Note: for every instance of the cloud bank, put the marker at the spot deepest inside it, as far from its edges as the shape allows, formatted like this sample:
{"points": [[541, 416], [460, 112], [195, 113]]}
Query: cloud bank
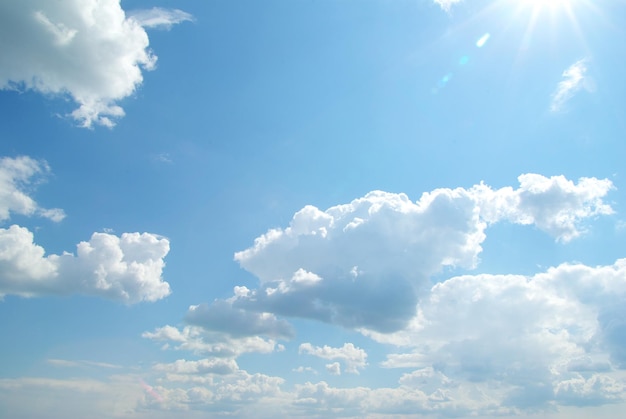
{"points": [[85, 49]]}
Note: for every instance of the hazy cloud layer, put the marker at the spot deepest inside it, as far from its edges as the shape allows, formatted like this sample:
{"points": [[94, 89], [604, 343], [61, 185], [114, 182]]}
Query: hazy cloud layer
{"points": [[17, 177], [126, 268], [86, 49]]}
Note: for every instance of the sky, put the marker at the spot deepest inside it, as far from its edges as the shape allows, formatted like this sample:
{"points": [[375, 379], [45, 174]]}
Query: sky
{"points": [[312, 208]]}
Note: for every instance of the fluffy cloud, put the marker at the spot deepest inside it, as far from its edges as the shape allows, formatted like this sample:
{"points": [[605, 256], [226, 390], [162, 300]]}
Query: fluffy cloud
{"points": [[352, 357], [365, 264], [17, 175], [574, 79], [553, 337], [555, 205], [201, 341], [126, 268], [87, 49]]}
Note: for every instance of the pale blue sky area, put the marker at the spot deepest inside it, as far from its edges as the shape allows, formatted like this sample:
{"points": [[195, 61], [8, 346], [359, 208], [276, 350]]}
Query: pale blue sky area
{"points": [[330, 208]]}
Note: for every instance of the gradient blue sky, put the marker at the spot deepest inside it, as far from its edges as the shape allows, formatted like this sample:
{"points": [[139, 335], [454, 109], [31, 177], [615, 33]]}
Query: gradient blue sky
{"points": [[334, 208]]}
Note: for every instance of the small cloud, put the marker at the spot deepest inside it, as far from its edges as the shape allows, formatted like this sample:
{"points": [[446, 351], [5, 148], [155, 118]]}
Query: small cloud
{"points": [[446, 4], [162, 158], [334, 368], [354, 358], [159, 18], [64, 363], [305, 369], [574, 79]]}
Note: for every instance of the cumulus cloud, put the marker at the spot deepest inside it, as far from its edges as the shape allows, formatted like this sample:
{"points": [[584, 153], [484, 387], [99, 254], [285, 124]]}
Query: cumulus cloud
{"points": [[160, 18], [352, 357], [126, 268], [574, 79], [17, 178], [365, 264], [555, 205], [545, 338], [85, 49]]}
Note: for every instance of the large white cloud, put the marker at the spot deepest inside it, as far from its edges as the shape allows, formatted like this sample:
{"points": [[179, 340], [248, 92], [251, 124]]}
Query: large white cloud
{"points": [[365, 264], [17, 177], [87, 49], [555, 337], [126, 268]]}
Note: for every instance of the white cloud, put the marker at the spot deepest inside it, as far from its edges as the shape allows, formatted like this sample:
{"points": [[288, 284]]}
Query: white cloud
{"points": [[86, 49], [202, 368], [305, 369], [446, 4], [352, 357], [17, 178], [160, 18], [555, 205], [574, 79], [126, 268], [541, 338], [365, 264], [333, 368], [202, 341]]}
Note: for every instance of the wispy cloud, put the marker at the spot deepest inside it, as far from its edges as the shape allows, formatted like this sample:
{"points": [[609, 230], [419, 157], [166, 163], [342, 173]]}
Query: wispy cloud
{"points": [[574, 78], [159, 18], [446, 4]]}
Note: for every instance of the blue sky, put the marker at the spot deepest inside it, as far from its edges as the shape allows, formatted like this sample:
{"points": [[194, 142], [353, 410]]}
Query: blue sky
{"points": [[331, 208]]}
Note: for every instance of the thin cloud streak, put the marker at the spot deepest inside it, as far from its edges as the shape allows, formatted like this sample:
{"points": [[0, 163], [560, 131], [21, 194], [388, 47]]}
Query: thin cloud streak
{"points": [[573, 80]]}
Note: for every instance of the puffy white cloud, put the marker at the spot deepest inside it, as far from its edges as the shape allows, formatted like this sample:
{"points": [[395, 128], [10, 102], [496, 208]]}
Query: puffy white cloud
{"points": [[542, 338], [86, 49], [555, 205], [160, 18], [352, 357], [365, 264], [201, 341], [220, 316], [17, 177], [126, 268], [574, 79]]}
